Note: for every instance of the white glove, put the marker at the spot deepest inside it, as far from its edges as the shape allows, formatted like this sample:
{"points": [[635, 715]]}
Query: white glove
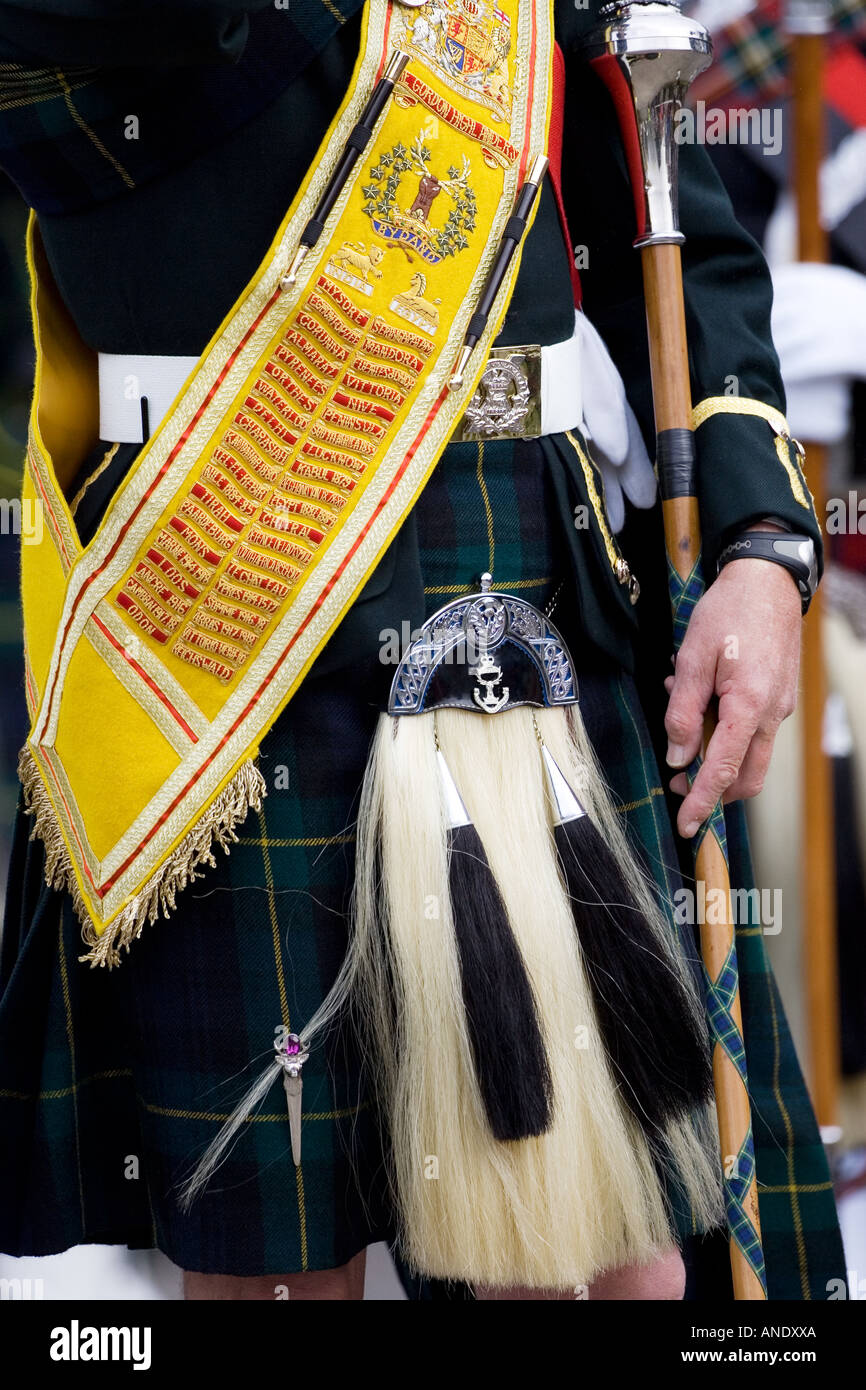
{"points": [[819, 328], [611, 424]]}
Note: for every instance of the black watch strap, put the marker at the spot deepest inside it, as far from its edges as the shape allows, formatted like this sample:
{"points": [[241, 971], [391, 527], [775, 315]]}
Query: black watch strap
{"points": [[796, 553]]}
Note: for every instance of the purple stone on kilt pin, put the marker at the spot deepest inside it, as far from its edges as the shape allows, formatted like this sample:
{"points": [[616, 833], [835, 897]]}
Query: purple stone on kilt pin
{"points": [[291, 1053]]}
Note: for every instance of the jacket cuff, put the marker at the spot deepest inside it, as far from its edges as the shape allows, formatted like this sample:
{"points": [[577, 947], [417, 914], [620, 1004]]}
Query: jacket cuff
{"points": [[748, 467]]}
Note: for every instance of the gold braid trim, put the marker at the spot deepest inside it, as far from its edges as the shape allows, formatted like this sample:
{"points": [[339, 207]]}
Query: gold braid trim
{"points": [[97, 473], [798, 483], [595, 500], [740, 405], [744, 405], [617, 560], [217, 827]]}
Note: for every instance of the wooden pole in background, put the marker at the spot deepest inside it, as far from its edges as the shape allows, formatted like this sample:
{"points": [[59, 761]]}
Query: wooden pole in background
{"points": [[819, 860]]}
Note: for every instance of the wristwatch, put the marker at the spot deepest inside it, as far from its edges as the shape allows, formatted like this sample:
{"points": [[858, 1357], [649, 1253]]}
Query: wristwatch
{"points": [[794, 551]]}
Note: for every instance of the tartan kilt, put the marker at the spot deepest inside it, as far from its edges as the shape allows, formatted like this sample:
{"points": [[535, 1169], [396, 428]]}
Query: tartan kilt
{"points": [[113, 1082]]}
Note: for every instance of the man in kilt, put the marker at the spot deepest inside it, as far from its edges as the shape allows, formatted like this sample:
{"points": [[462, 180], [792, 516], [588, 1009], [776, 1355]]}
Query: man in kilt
{"points": [[150, 239]]}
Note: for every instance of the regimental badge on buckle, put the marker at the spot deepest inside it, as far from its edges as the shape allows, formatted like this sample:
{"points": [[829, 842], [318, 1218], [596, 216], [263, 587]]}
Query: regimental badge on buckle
{"points": [[507, 403]]}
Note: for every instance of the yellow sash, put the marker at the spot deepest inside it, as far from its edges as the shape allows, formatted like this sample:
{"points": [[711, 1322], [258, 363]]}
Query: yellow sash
{"points": [[159, 655]]}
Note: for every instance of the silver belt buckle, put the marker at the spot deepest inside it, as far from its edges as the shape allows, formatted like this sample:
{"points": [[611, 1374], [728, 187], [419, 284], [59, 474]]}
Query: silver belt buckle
{"points": [[507, 402]]}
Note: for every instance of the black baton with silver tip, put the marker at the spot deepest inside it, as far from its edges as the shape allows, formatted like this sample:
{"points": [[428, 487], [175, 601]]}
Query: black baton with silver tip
{"points": [[358, 140], [515, 230]]}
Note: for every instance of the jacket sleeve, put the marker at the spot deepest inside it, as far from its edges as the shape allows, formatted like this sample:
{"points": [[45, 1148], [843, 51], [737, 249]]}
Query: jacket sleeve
{"points": [[747, 467]]}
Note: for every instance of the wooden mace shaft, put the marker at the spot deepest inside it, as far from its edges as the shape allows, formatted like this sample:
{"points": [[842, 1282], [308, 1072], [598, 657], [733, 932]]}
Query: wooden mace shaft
{"points": [[819, 877], [669, 364]]}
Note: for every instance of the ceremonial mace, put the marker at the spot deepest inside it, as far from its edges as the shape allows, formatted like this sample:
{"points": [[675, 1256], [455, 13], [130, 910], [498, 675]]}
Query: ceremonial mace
{"points": [[647, 53], [808, 22]]}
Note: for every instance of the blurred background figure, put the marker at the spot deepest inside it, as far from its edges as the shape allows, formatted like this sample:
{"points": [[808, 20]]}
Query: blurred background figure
{"points": [[819, 327]]}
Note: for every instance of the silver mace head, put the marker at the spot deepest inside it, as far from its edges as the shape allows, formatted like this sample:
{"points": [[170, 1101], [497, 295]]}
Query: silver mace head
{"points": [[648, 53]]}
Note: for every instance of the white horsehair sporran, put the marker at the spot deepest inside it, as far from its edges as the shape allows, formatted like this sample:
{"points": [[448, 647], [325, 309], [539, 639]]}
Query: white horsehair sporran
{"points": [[531, 1031]]}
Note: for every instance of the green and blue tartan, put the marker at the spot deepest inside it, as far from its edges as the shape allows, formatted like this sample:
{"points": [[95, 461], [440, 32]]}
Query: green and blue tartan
{"points": [[98, 1070], [68, 89], [147, 1061]]}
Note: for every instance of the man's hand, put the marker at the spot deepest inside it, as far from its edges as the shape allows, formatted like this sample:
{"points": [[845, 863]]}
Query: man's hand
{"points": [[743, 645]]}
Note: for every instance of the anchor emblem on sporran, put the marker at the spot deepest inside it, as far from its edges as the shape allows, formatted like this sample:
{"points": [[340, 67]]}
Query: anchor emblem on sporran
{"points": [[487, 676]]}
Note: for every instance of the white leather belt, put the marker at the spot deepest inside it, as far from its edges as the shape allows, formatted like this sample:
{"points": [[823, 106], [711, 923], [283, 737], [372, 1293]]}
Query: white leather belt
{"points": [[525, 391]]}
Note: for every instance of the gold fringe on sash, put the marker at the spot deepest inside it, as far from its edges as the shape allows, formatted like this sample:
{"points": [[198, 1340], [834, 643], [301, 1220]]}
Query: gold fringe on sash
{"points": [[244, 793], [283, 470]]}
